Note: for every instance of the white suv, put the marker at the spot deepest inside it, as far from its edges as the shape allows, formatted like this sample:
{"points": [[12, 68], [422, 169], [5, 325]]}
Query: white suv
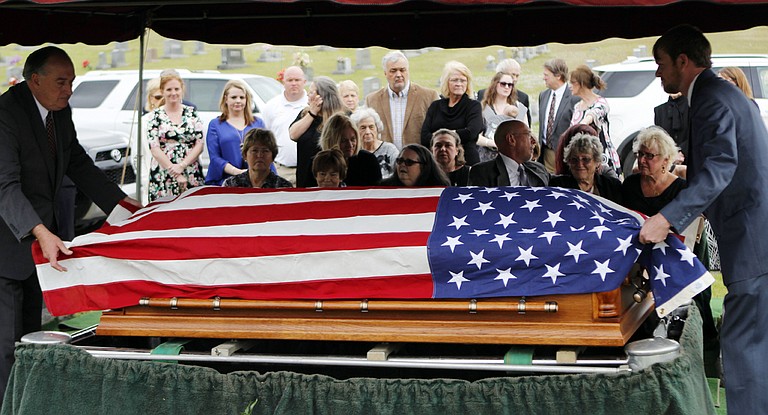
{"points": [[633, 91], [106, 101]]}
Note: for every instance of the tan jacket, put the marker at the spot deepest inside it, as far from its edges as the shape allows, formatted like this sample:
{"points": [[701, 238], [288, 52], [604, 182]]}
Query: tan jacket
{"points": [[419, 99]]}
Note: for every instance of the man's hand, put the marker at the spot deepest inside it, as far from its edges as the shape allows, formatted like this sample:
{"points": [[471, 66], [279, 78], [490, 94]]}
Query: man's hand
{"points": [[51, 245], [132, 201], [655, 229]]}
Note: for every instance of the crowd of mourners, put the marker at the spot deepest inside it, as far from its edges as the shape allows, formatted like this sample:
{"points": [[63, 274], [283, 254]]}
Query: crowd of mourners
{"points": [[408, 135]]}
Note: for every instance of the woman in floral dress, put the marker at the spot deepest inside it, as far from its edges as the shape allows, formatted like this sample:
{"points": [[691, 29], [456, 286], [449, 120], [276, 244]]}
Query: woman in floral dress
{"points": [[176, 142]]}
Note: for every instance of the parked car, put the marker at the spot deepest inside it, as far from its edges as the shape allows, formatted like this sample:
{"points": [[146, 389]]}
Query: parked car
{"points": [[634, 90], [106, 101]]}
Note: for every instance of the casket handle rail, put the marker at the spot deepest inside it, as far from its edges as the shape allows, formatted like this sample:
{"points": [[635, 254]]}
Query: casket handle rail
{"points": [[522, 306]]}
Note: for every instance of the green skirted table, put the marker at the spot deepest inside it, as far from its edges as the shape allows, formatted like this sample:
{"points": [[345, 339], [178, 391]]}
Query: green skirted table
{"points": [[66, 380]]}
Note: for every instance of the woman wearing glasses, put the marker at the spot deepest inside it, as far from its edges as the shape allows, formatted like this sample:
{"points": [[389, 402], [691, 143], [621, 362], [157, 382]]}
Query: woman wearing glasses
{"points": [[226, 133], [583, 155], [456, 111], [499, 104], [653, 186], [415, 166]]}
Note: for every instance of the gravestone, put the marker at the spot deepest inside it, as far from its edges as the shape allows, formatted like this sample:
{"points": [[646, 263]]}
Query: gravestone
{"points": [[232, 58], [122, 46], [270, 56], [490, 63], [102, 61], [199, 48], [371, 84], [501, 55], [643, 51], [326, 48], [118, 58], [151, 55], [363, 59], [343, 66], [412, 53], [173, 49]]}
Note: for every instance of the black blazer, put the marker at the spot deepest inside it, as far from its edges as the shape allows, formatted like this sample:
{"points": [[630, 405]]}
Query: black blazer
{"points": [[609, 187], [493, 173], [30, 180]]}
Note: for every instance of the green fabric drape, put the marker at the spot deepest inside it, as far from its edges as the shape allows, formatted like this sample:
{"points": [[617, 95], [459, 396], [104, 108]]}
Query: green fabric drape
{"points": [[66, 380]]}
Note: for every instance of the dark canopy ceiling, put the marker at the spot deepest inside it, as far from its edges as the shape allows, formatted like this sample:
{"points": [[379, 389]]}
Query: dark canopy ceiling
{"points": [[360, 23]]}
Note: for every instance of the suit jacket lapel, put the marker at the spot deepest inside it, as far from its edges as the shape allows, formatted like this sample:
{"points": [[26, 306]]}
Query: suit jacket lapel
{"points": [[503, 177], [564, 102]]}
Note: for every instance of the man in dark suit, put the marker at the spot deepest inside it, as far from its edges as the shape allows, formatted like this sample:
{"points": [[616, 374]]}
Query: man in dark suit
{"points": [[555, 110], [512, 68], [38, 146], [513, 165], [727, 180]]}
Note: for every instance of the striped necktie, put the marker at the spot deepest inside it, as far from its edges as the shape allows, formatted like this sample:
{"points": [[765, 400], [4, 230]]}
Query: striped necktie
{"points": [[522, 179]]}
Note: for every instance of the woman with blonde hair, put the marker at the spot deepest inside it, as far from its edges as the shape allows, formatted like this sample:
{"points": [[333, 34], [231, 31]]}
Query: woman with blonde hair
{"points": [[457, 111], [175, 137], [736, 76], [350, 94], [226, 133], [593, 110], [324, 101]]}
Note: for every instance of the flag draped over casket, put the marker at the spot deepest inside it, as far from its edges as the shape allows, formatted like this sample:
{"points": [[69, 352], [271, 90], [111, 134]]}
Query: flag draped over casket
{"points": [[456, 242]]}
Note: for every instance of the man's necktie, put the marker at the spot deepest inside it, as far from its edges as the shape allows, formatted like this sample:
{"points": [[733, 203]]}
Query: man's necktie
{"points": [[521, 177], [550, 119], [51, 130]]}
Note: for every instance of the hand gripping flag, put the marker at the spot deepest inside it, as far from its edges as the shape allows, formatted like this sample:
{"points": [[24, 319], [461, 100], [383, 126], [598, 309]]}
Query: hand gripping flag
{"points": [[365, 243]]}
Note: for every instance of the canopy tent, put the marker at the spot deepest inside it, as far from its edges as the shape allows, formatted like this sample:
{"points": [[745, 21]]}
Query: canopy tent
{"points": [[397, 24]]}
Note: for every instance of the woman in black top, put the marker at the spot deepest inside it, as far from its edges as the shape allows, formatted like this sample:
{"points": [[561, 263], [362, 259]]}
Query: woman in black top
{"points": [[457, 111], [362, 166]]}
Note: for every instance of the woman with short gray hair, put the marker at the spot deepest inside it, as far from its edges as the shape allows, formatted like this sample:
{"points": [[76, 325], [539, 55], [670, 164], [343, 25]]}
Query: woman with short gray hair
{"points": [[583, 155], [369, 125]]}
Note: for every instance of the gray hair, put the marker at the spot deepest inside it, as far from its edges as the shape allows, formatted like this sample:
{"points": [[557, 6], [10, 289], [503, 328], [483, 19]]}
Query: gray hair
{"points": [[392, 57], [506, 64], [366, 112], [584, 144], [654, 134]]}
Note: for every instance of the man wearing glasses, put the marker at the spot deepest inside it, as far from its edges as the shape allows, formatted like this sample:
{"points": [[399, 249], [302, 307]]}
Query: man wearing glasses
{"points": [[513, 165]]}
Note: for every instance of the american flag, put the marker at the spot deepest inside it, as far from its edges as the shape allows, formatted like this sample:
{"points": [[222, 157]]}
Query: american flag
{"points": [[360, 243]]}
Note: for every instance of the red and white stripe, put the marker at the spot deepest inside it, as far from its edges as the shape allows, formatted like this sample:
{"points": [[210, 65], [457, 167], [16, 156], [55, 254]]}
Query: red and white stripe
{"points": [[241, 243]]}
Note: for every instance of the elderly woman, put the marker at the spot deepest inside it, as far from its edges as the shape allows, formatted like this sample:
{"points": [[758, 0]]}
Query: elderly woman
{"points": [[446, 147], [226, 133], [362, 166], [583, 155], [154, 95], [330, 168], [417, 167], [457, 111], [499, 104], [369, 126], [653, 186], [324, 101], [350, 94], [175, 137], [259, 151], [593, 110]]}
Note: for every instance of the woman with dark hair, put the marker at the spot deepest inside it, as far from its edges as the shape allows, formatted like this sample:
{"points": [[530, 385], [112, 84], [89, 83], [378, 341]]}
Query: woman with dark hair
{"points": [[416, 167], [324, 101], [593, 110], [330, 168], [449, 155], [259, 151], [499, 104], [583, 154], [362, 167], [226, 133]]}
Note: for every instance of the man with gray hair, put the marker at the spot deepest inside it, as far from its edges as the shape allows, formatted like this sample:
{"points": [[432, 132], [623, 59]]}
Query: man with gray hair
{"points": [[512, 68], [402, 105]]}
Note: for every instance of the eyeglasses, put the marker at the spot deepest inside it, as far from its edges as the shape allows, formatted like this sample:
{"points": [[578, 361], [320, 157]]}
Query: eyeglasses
{"points": [[457, 81], [528, 133], [157, 96], [582, 160], [647, 156], [407, 162], [507, 84]]}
